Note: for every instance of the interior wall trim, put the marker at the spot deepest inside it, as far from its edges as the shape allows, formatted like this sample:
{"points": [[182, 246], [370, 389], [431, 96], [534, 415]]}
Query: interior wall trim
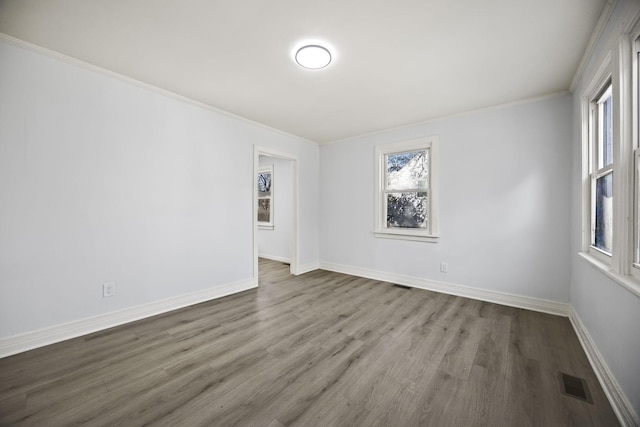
{"points": [[112, 74], [446, 117], [518, 301], [54, 334], [619, 401], [306, 268], [597, 33], [275, 258]]}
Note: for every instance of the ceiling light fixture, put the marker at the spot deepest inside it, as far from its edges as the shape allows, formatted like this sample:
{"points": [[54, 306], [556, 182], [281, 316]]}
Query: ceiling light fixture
{"points": [[313, 57]]}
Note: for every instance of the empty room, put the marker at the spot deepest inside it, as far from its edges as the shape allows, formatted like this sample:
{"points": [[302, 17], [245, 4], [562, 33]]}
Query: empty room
{"points": [[293, 213]]}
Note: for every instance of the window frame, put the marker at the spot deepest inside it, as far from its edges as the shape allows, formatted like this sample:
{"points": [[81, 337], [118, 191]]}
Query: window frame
{"points": [[633, 259], [635, 255], [620, 66], [596, 171], [430, 234], [266, 225]]}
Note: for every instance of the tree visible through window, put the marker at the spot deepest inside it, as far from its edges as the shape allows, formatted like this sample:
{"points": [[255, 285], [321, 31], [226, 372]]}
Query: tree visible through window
{"points": [[406, 190], [265, 198]]}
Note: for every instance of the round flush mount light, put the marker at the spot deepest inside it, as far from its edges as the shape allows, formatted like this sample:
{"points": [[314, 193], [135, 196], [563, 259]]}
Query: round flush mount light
{"points": [[313, 57]]}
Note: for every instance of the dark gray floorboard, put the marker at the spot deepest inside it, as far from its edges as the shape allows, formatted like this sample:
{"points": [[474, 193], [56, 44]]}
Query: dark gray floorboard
{"points": [[321, 349]]}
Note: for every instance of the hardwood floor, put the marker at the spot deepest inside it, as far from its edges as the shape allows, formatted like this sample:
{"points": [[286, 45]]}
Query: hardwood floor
{"points": [[321, 349]]}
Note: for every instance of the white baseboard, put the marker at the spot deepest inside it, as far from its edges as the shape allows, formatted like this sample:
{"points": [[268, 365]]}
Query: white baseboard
{"points": [[275, 258], [619, 402], [529, 303], [305, 268], [51, 335]]}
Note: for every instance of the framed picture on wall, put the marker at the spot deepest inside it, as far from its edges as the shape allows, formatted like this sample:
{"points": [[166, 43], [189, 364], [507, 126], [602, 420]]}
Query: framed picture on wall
{"points": [[265, 197]]}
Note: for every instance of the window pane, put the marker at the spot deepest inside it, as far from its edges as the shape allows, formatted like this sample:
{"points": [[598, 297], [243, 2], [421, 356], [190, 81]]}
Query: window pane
{"points": [[603, 232], [606, 129], [264, 210], [406, 171], [637, 254], [407, 210], [636, 258], [264, 184]]}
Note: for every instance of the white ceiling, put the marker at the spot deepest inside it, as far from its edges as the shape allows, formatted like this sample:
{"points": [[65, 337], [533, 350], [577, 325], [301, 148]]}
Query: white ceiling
{"points": [[395, 62]]}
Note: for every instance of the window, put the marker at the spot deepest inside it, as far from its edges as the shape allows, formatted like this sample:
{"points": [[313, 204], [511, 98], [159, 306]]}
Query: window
{"points": [[407, 190], [635, 146], [611, 164], [602, 171], [636, 257], [265, 198], [631, 158]]}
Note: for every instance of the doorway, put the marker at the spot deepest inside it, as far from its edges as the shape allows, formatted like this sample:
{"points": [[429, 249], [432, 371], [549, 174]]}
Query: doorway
{"points": [[275, 230]]}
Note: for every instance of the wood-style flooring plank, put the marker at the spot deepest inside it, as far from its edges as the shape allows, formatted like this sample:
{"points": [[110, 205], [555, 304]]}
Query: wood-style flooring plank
{"points": [[320, 349]]}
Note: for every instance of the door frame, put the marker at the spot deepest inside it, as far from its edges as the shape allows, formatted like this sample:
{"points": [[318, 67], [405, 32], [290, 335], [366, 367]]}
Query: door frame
{"points": [[265, 151]]}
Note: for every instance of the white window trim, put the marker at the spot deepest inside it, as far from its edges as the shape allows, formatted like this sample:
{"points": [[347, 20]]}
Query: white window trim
{"points": [[620, 65], [630, 150], [589, 167], [595, 154], [268, 225], [634, 227], [430, 235], [635, 266], [628, 282]]}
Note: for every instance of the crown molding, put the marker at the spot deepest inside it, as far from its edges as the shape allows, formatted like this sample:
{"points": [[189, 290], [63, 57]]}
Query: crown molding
{"points": [[607, 11], [500, 106], [164, 92]]}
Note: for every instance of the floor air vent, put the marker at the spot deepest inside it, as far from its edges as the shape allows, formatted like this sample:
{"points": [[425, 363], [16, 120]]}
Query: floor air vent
{"points": [[575, 387]]}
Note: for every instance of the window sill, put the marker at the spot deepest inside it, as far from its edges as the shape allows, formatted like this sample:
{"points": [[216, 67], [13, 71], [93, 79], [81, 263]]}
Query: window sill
{"points": [[630, 283], [404, 236]]}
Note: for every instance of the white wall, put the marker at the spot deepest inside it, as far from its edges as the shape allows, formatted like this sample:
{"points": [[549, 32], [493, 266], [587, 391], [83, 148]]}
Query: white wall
{"points": [[504, 217], [276, 243], [105, 180], [610, 313]]}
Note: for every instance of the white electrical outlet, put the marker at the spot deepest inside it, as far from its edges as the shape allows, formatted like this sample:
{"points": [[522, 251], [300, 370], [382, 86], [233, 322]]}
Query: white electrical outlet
{"points": [[108, 289], [444, 267]]}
